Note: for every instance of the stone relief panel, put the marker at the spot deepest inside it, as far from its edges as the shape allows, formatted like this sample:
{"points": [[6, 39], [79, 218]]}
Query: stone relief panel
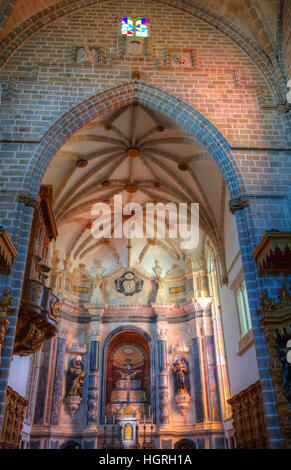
{"points": [[128, 287]]}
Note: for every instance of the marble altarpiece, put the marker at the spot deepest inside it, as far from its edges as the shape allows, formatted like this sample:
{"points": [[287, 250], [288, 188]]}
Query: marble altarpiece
{"points": [[134, 362]]}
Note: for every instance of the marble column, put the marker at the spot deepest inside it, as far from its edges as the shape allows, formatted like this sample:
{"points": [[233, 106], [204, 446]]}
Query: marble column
{"points": [[163, 377], [204, 283], [92, 408], [198, 398], [211, 370], [59, 372], [222, 372]]}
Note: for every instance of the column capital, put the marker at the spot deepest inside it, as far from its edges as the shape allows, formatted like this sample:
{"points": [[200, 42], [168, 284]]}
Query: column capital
{"points": [[162, 334], [95, 335], [63, 332]]}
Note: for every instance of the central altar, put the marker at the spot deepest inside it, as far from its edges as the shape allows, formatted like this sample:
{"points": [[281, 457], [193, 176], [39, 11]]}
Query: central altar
{"points": [[128, 392]]}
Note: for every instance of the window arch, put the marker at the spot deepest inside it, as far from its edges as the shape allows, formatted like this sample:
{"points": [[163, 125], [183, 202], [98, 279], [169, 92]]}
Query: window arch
{"points": [[243, 309], [141, 27], [127, 26], [138, 27]]}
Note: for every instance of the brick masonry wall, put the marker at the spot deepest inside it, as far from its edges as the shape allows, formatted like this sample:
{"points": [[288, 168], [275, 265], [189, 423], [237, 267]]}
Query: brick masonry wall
{"points": [[287, 37], [23, 9], [40, 85], [209, 88]]}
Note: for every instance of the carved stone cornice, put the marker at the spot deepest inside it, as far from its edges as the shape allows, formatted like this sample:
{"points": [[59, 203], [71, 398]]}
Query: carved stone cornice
{"points": [[239, 203], [273, 252], [7, 252]]}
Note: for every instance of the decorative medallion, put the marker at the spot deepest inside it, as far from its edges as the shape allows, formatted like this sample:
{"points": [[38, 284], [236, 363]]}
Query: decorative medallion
{"points": [[180, 59], [131, 188], [182, 166], [133, 152], [128, 284], [82, 163]]}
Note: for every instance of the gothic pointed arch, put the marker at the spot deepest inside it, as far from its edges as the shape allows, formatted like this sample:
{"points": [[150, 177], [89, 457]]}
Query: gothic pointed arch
{"points": [[180, 112]]}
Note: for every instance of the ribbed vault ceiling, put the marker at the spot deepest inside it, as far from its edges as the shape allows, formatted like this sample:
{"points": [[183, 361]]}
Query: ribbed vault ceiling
{"points": [[143, 156]]}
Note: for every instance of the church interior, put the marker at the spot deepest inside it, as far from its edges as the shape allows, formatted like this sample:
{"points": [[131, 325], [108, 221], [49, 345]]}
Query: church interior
{"points": [[118, 342]]}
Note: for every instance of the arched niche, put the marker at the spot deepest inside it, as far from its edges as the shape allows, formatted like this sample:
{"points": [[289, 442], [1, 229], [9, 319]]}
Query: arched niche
{"points": [[114, 358]]}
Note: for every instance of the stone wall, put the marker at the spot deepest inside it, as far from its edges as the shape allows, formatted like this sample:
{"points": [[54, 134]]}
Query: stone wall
{"points": [[287, 37]]}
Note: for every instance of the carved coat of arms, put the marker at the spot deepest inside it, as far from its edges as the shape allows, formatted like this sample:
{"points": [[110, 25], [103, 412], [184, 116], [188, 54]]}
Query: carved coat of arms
{"points": [[129, 284]]}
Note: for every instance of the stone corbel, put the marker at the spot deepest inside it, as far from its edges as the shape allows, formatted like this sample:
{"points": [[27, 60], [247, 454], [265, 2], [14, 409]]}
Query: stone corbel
{"points": [[283, 108], [239, 203], [28, 200], [5, 311]]}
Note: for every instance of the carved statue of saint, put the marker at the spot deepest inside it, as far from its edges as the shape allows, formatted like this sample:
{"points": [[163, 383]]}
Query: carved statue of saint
{"points": [[77, 375], [161, 294], [158, 269], [180, 371], [97, 297]]}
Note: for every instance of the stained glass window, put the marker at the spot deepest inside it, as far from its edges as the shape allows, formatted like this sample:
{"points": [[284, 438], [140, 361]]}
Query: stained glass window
{"points": [[127, 26], [141, 27], [138, 27]]}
